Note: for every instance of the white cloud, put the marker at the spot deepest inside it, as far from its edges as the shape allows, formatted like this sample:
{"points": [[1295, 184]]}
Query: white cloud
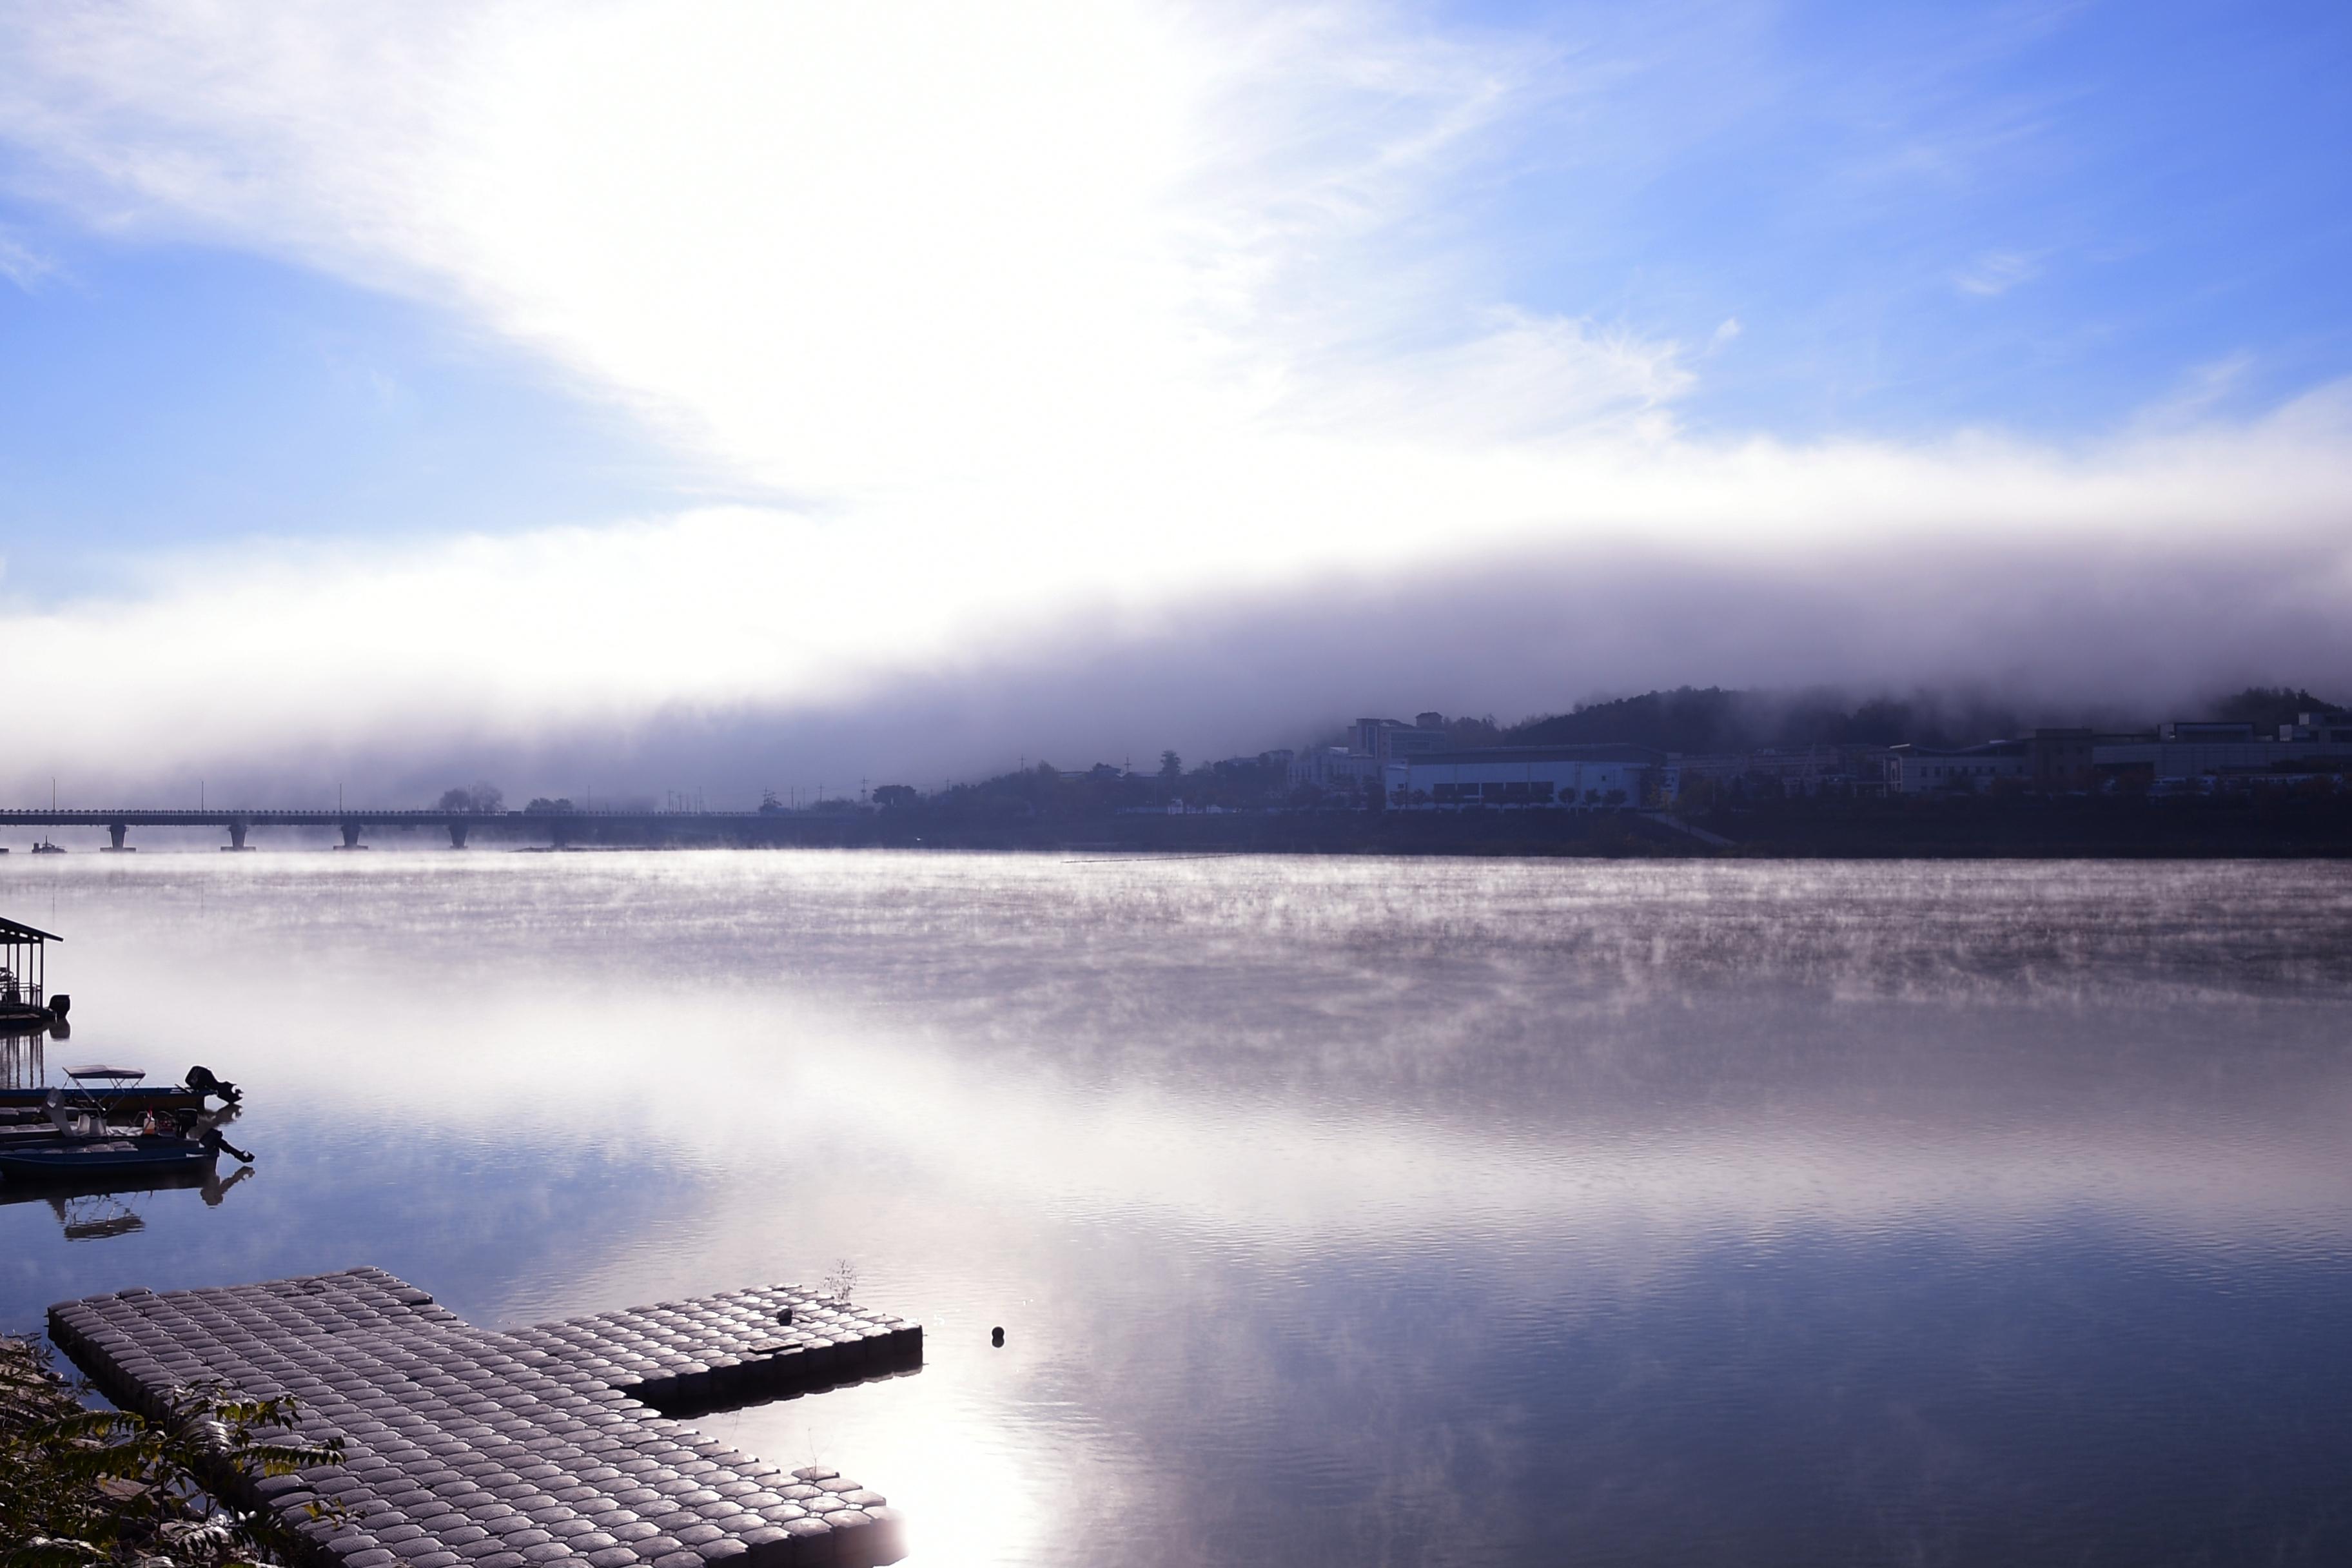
{"points": [[1995, 272], [2197, 395], [1524, 380], [1050, 315], [2095, 575], [21, 264]]}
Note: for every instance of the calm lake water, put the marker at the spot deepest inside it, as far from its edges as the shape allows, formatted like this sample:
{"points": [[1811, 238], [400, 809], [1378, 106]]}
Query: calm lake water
{"points": [[1336, 1212]]}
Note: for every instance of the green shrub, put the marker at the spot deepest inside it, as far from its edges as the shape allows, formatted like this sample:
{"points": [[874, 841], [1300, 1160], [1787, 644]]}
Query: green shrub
{"points": [[81, 1487]]}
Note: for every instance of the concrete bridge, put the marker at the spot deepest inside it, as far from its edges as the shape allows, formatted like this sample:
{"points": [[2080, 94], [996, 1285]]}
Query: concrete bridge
{"points": [[558, 827]]}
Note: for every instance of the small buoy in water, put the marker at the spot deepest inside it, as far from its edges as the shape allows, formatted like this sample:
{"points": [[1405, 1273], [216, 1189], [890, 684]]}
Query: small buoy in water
{"points": [[996, 1338], [785, 1316]]}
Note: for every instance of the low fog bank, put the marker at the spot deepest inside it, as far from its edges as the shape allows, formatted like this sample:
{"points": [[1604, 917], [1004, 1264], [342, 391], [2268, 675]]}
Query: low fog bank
{"points": [[1974, 639]]}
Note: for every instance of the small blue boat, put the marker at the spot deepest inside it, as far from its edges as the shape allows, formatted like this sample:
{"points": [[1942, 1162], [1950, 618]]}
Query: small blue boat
{"points": [[74, 1158]]}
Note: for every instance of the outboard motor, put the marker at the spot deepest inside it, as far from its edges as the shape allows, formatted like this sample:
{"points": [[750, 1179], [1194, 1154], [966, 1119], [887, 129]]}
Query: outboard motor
{"points": [[202, 1082], [59, 1005], [213, 1141]]}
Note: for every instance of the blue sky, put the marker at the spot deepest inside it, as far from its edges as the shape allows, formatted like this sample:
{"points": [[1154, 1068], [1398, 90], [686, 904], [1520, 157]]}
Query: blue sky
{"points": [[152, 399], [771, 359], [2043, 217]]}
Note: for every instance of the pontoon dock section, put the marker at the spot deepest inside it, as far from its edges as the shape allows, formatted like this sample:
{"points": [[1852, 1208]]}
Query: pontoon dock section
{"points": [[504, 1450]]}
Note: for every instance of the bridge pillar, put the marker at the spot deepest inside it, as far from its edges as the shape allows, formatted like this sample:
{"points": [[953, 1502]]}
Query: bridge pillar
{"points": [[235, 837], [456, 835], [352, 836], [115, 830]]}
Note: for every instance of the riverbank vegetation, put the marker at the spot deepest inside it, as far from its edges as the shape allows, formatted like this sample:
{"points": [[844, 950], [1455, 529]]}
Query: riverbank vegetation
{"points": [[80, 1487]]}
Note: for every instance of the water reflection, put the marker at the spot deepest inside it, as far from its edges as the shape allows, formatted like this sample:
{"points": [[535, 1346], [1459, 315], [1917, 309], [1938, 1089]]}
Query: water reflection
{"points": [[23, 1058], [1339, 1211], [98, 1211]]}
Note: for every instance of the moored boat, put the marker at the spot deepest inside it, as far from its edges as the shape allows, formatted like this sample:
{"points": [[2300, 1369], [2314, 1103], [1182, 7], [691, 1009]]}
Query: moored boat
{"points": [[80, 1137], [94, 1204], [121, 1094], [78, 1158]]}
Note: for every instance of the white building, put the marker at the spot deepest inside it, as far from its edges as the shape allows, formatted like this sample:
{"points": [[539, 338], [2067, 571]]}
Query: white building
{"points": [[1332, 768], [1926, 770], [1393, 740], [2196, 754], [1590, 778], [2330, 727], [1379, 745]]}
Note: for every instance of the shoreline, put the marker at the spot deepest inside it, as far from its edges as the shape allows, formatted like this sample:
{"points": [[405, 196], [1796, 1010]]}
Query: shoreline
{"points": [[1967, 828], [2026, 828]]}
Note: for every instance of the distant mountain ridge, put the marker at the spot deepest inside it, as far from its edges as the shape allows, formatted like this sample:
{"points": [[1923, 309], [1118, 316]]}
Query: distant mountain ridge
{"points": [[1713, 719]]}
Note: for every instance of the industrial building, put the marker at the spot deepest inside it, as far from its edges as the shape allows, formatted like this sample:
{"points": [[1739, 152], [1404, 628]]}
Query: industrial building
{"points": [[1586, 777], [1798, 771], [1931, 770], [2317, 742], [1393, 740]]}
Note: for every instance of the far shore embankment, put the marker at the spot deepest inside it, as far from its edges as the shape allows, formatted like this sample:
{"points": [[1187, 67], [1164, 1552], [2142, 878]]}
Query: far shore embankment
{"points": [[2271, 824], [2025, 827]]}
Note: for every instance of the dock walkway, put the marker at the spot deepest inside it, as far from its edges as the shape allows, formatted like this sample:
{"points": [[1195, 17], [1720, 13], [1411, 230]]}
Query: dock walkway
{"points": [[465, 1448]]}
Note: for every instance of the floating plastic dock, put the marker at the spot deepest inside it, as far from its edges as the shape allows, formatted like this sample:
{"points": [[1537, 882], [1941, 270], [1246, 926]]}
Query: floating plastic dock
{"points": [[465, 1448]]}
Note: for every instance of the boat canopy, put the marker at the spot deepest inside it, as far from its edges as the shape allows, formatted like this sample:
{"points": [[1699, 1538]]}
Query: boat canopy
{"points": [[24, 933], [96, 1070]]}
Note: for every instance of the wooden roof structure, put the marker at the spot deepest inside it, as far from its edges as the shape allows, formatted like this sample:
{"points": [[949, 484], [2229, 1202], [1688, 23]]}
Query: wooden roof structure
{"points": [[24, 970]]}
